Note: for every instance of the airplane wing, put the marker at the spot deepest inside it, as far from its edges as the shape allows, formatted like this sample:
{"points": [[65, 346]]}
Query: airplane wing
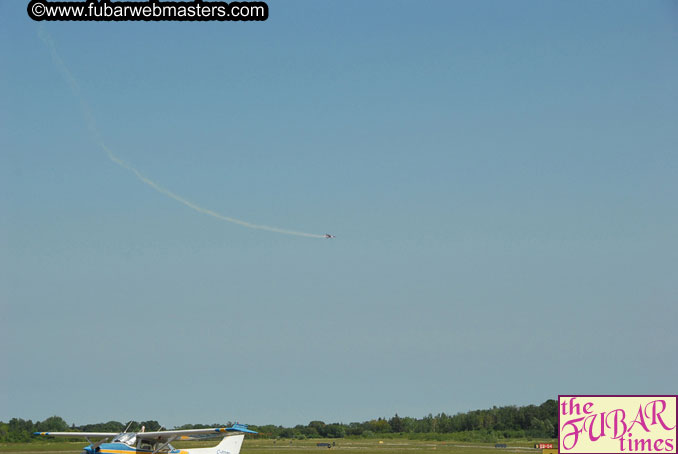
{"points": [[162, 435], [78, 434], [187, 434]]}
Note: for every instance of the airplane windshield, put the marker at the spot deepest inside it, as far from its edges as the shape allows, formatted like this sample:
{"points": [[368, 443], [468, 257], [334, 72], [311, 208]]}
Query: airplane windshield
{"points": [[127, 438]]}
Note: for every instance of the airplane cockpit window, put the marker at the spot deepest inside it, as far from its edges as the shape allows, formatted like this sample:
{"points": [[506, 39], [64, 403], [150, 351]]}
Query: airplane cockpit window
{"points": [[165, 448], [127, 438], [146, 445]]}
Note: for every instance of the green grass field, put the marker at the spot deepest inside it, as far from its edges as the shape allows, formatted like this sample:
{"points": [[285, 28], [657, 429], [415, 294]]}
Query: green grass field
{"points": [[284, 446]]}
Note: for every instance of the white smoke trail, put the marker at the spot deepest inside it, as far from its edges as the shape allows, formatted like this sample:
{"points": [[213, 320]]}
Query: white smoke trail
{"points": [[91, 125]]}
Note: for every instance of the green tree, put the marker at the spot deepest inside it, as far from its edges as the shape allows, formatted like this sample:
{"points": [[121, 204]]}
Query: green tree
{"points": [[20, 430], [110, 426], [309, 432], [286, 433], [318, 426], [52, 424], [335, 431], [4, 431], [151, 426], [396, 424], [355, 428], [379, 426]]}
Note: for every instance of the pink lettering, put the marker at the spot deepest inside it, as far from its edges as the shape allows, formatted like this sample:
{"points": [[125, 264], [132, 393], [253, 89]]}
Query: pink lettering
{"points": [[574, 407], [617, 420], [643, 443], [592, 419], [575, 431], [613, 425], [639, 420], [656, 415]]}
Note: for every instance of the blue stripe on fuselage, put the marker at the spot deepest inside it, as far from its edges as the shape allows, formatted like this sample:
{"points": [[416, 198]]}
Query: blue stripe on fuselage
{"points": [[114, 448]]}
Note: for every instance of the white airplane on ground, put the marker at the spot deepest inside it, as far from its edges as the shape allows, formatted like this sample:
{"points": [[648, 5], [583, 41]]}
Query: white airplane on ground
{"points": [[158, 442]]}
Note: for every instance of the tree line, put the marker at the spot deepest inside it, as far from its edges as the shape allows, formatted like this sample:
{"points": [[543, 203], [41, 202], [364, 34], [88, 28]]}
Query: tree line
{"points": [[496, 423]]}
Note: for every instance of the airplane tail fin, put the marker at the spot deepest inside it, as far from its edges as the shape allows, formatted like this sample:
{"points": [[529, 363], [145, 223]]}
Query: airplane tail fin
{"points": [[231, 444]]}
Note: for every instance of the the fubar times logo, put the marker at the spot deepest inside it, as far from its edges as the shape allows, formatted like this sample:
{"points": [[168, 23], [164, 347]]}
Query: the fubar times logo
{"points": [[593, 424]]}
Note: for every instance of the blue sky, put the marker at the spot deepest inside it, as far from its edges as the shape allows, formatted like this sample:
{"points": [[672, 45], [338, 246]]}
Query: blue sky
{"points": [[501, 177]]}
